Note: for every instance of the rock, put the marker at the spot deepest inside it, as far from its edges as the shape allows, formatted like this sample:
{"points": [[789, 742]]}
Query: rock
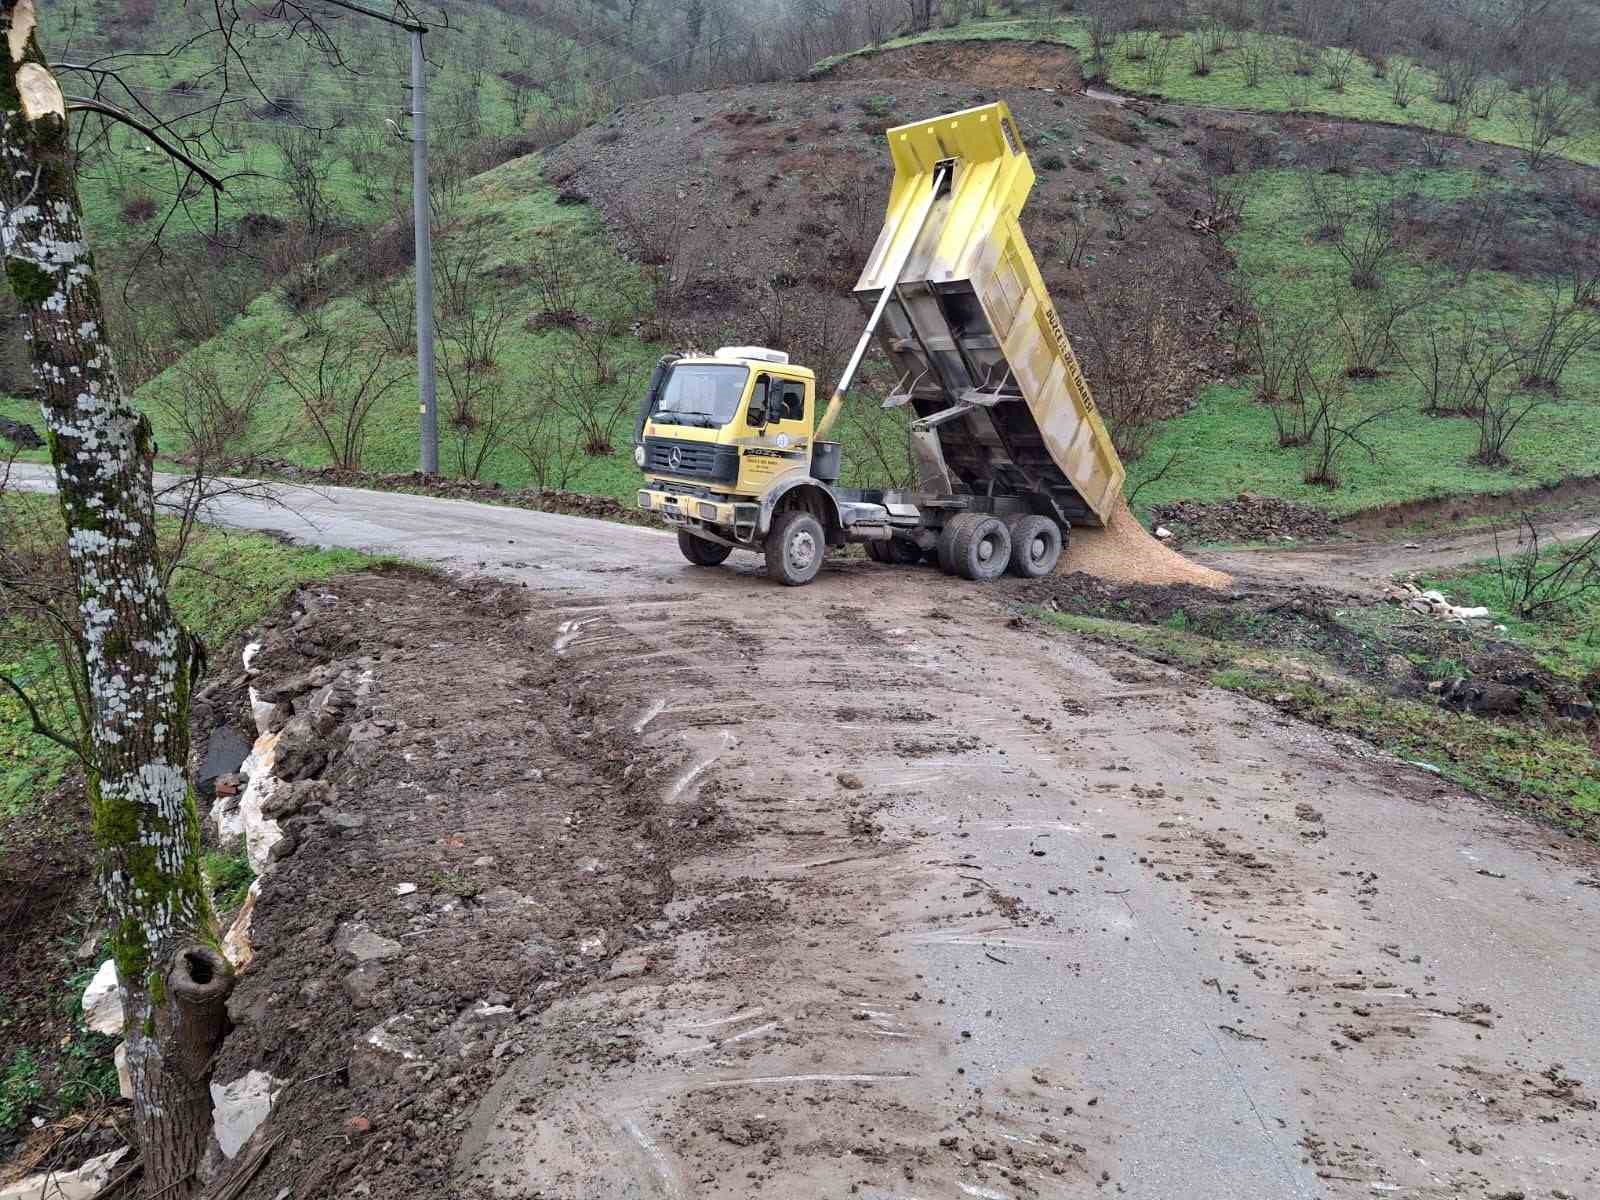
{"points": [[385, 1052], [119, 1058], [594, 945], [630, 965], [241, 816], [236, 945], [226, 750], [490, 1016], [102, 1000], [89, 945], [356, 1126], [343, 822], [363, 983], [1163, 532], [87, 1181], [404, 889], [361, 944], [849, 781], [239, 1108]]}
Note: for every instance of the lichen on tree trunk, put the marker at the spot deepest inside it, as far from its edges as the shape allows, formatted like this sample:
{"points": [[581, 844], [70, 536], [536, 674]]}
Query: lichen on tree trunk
{"points": [[137, 661]]}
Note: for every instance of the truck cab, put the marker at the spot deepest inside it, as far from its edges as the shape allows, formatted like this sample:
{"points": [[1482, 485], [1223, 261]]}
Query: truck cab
{"points": [[723, 439]]}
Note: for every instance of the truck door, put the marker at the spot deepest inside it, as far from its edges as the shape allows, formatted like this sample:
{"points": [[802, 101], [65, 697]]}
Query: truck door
{"points": [[782, 444]]}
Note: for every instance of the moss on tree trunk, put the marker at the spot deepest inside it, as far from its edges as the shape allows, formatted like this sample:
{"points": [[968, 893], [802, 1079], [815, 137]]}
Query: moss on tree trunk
{"points": [[136, 660]]}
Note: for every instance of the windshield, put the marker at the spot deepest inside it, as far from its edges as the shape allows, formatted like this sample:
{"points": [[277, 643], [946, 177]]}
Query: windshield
{"points": [[703, 394]]}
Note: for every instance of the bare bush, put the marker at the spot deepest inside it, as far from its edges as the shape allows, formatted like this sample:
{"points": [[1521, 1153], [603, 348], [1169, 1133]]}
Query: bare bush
{"points": [[1548, 118], [1438, 138], [595, 410], [1137, 44], [216, 416], [1438, 359], [1566, 325], [1132, 341], [546, 443], [1501, 410], [1402, 82], [1254, 58], [337, 391], [1336, 425], [1540, 584], [1159, 61], [1201, 54], [1338, 62], [1362, 225], [394, 307], [1367, 322], [1276, 340]]}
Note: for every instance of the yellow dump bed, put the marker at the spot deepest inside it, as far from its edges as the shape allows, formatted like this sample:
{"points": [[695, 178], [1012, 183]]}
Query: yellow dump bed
{"points": [[1000, 403]]}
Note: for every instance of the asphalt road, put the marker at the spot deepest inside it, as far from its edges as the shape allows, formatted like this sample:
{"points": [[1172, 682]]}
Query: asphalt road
{"points": [[1012, 915]]}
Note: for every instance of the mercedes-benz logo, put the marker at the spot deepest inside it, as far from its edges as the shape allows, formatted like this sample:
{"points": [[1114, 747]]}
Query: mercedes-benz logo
{"points": [[675, 459]]}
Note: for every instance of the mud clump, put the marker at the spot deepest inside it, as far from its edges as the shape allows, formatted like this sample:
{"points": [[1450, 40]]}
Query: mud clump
{"points": [[1125, 552], [1248, 518]]}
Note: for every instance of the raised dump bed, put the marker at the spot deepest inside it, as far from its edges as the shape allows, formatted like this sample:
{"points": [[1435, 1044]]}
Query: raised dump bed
{"points": [[1000, 402]]}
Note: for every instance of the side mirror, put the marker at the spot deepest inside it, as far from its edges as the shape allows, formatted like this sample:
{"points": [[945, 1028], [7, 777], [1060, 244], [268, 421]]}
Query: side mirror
{"points": [[756, 414]]}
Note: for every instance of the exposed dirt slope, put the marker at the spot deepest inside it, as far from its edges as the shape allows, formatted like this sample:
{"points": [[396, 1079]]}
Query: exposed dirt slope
{"points": [[985, 64]]}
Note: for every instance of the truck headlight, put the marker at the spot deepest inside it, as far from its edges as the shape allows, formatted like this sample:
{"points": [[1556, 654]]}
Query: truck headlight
{"points": [[638, 456]]}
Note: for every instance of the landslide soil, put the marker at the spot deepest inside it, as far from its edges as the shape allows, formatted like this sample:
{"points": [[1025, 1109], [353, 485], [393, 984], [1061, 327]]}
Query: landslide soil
{"points": [[485, 821]]}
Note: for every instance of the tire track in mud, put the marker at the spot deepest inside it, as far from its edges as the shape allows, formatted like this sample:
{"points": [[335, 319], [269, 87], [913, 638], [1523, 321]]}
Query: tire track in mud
{"points": [[783, 1045], [994, 919]]}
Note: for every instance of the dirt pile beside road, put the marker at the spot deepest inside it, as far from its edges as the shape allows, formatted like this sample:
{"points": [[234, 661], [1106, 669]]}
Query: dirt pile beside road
{"points": [[984, 63], [471, 852], [1247, 518]]}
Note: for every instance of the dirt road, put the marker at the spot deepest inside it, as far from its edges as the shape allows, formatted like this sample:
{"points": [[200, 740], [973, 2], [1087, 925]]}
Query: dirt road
{"points": [[1010, 916], [1359, 565]]}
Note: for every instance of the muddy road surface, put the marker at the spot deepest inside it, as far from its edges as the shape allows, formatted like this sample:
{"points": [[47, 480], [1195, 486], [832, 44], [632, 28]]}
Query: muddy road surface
{"points": [[1359, 565], [1004, 915]]}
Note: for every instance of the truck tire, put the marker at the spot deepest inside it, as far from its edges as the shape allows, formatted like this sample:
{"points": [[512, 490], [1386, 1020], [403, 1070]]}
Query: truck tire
{"points": [[795, 547], [700, 551], [1035, 546], [875, 551], [982, 548], [946, 545]]}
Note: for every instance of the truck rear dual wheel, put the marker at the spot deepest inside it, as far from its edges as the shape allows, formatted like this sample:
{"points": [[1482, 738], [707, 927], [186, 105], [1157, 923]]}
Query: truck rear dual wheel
{"points": [[1035, 545], [701, 551], [975, 546], [795, 547]]}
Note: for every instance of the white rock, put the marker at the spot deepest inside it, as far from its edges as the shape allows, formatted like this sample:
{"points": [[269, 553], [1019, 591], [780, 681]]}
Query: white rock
{"points": [[124, 1079], [404, 889], [102, 1000], [249, 656], [593, 946], [239, 1108], [1163, 532], [87, 1181], [260, 710], [1472, 614], [260, 835], [236, 943]]}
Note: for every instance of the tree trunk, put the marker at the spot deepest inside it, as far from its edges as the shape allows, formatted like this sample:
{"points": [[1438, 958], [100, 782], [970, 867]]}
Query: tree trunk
{"points": [[137, 661]]}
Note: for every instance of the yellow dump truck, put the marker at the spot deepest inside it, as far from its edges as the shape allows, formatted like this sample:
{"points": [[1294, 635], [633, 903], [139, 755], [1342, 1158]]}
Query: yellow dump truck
{"points": [[1008, 446]]}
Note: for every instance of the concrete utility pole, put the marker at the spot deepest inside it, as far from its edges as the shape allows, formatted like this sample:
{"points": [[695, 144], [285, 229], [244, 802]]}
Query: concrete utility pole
{"points": [[427, 384]]}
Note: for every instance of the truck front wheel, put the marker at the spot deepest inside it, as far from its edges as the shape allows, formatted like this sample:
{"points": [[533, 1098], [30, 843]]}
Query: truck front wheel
{"points": [[795, 547], [700, 551]]}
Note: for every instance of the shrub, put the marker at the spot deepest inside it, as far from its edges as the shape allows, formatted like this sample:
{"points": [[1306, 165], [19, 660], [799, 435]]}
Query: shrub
{"points": [[138, 209], [1052, 162]]}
